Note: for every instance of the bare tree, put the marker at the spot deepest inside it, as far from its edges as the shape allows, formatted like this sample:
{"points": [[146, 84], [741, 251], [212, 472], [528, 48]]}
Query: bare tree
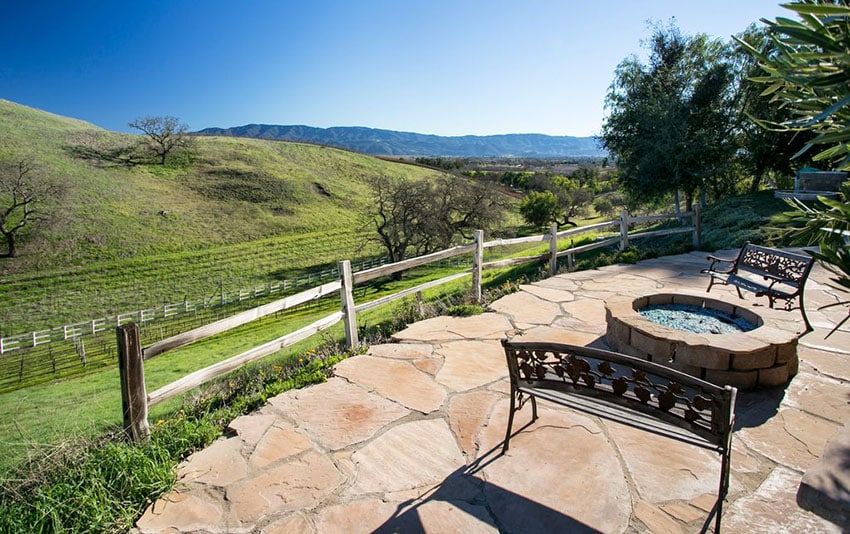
{"points": [[423, 216], [166, 134], [396, 214], [22, 187]]}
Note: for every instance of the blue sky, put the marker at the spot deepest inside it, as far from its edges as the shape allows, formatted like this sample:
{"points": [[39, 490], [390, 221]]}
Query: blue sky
{"points": [[445, 67]]}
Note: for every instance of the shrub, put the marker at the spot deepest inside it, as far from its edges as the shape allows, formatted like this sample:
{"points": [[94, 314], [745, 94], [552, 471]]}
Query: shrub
{"points": [[465, 310]]}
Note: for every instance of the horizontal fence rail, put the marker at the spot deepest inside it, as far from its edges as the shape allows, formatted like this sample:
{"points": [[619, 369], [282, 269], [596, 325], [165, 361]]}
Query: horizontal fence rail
{"points": [[167, 311], [206, 374], [133, 387], [234, 321]]}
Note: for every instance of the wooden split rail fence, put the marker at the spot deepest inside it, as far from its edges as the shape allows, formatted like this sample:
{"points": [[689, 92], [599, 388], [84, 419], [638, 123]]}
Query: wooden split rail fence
{"points": [[131, 355]]}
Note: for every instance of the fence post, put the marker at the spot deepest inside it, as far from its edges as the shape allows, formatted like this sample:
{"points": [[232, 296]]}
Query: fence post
{"points": [[477, 265], [624, 230], [346, 295], [134, 397], [697, 225], [553, 250]]}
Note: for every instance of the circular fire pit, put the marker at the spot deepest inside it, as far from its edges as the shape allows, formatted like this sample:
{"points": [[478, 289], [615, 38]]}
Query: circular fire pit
{"points": [[762, 357]]}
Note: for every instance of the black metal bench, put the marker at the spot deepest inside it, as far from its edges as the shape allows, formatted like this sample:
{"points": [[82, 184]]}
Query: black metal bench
{"points": [[784, 274], [628, 390]]}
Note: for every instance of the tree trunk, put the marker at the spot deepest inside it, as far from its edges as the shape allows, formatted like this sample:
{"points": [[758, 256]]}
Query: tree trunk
{"points": [[754, 185], [677, 205], [11, 248]]}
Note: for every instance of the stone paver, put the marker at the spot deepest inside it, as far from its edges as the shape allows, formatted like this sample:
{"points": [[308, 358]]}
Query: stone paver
{"points": [[338, 414], [773, 508], [663, 469], [825, 488], [467, 414], [483, 326], [420, 453], [402, 351], [792, 438], [399, 381], [470, 364], [302, 483], [554, 474], [655, 519], [527, 310], [408, 437]]}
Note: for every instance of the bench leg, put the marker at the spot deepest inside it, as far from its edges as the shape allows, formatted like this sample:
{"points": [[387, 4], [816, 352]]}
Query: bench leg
{"points": [[803, 312], [513, 410], [725, 469], [510, 422]]}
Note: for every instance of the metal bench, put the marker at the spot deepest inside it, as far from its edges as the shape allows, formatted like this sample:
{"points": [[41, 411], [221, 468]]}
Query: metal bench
{"points": [[784, 274], [628, 390]]}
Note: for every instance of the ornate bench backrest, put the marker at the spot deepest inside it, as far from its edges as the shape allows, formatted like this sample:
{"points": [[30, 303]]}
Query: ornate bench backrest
{"points": [[640, 387], [787, 266]]}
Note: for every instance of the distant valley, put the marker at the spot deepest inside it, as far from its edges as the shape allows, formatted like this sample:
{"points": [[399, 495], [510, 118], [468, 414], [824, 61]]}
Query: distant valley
{"points": [[392, 143]]}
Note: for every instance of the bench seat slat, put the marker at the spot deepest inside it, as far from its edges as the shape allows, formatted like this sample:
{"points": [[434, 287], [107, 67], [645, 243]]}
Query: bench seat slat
{"points": [[621, 414]]}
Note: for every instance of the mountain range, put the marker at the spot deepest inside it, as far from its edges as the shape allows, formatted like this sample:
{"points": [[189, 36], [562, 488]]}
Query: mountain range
{"points": [[393, 143]]}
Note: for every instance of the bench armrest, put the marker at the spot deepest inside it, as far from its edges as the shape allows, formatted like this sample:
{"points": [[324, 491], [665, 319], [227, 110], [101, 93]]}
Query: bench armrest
{"points": [[727, 260], [715, 260]]}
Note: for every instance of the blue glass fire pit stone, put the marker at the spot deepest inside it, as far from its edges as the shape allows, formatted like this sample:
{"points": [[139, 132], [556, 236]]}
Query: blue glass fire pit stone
{"points": [[695, 319]]}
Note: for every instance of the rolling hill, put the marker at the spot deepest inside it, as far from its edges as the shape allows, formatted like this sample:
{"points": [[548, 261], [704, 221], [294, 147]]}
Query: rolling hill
{"points": [[392, 143], [228, 190], [232, 214]]}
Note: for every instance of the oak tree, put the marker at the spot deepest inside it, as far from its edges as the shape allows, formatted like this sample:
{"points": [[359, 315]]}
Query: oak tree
{"points": [[422, 216], [165, 134], [670, 120], [23, 188]]}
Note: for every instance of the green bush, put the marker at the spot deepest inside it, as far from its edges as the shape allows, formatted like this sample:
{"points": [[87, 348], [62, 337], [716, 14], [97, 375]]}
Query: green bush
{"points": [[465, 310]]}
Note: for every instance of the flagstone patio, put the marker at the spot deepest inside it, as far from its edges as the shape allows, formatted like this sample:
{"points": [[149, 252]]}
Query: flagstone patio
{"points": [[407, 438]]}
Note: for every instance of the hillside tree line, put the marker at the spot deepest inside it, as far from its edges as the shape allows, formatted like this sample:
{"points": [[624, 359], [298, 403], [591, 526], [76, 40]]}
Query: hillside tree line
{"points": [[692, 122]]}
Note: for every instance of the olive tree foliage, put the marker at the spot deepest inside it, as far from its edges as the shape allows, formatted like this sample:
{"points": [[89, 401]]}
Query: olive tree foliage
{"points": [[165, 135], [539, 208], [23, 190], [422, 216], [829, 226], [557, 200], [669, 120], [807, 71], [806, 68]]}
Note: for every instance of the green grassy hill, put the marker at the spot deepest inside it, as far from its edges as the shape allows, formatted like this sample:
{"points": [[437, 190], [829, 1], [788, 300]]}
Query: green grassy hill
{"points": [[230, 191], [235, 212]]}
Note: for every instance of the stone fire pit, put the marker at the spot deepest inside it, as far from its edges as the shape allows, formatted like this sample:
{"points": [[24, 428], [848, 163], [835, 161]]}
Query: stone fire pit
{"points": [[763, 357]]}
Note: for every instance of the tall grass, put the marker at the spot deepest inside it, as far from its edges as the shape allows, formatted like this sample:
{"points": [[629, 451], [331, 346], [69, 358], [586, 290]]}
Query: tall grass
{"points": [[104, 485]]}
